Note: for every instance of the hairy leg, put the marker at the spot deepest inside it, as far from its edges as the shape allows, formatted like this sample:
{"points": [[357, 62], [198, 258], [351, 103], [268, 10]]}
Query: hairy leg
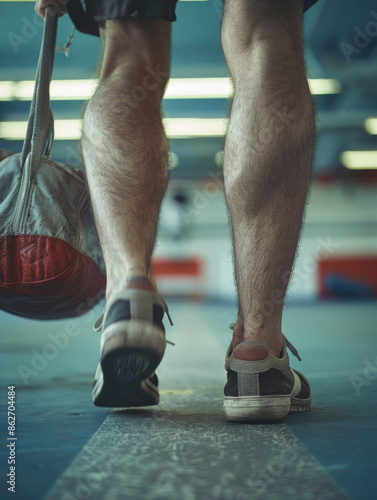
{"points": [[267, 159], [124, 144]]}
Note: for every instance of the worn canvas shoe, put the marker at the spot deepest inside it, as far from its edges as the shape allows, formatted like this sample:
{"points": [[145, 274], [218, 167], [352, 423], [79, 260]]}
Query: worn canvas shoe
{"points": [[265, 390], [132, 346]]}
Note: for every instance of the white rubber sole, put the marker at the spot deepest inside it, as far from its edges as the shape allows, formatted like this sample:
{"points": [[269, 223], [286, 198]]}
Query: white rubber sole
{"points": [[298, 405], [257, 408], [135, 334]]}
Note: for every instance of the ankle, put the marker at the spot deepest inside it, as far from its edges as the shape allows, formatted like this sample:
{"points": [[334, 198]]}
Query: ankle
{"points": [[248, 351], [257, 349], [268, 336], [143, 281]]}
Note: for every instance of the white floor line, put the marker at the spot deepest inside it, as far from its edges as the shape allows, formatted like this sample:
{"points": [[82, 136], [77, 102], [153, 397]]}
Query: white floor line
{"points": [[185, 450], [188, 457]]}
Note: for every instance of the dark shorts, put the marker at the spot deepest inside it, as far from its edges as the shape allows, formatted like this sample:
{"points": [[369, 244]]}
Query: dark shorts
{"points": [[85, 14]]}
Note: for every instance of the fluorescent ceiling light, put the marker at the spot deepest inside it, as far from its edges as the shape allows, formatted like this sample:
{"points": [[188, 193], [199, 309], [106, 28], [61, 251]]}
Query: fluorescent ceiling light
{"points": [[64, 130], [178, 88], [195, 127], [320, 86], [175, 128], [359, 159], [371, 126], [198, 88], [7, 91], [59, 90]]}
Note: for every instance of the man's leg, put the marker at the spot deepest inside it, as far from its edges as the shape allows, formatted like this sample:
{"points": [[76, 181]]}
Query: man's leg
{"points": [[124, 144], [267, 161], [126, 158]]}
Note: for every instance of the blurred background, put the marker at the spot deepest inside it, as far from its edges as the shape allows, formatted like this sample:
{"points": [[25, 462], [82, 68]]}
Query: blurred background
{"points": [[330, 314], [338, 251]]}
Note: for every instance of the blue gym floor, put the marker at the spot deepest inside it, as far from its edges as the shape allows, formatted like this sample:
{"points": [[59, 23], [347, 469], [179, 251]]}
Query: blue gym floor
{"points": [[183, 449]]}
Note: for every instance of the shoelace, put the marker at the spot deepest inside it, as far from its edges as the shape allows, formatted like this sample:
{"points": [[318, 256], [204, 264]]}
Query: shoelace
{"points": [[97, 327], [290, 346]]}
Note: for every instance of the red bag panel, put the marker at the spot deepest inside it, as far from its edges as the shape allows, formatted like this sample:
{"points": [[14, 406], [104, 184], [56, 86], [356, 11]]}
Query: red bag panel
{"points": [[42, 277]]}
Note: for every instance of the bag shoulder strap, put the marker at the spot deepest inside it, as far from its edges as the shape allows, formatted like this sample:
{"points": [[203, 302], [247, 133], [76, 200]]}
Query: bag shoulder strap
{"points": [[40, 129]]}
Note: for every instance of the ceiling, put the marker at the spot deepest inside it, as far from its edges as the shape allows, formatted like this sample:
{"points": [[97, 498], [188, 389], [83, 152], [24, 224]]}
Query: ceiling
{"points": [[341, 43]]}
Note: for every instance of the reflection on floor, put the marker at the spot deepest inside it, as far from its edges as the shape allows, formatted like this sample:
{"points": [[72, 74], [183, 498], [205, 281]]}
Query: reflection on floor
{"points": [[183, 449]]}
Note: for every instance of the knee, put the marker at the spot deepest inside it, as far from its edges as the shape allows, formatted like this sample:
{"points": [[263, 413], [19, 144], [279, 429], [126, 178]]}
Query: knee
{"points": [[137, 82], [137, 54], [261, 29]]}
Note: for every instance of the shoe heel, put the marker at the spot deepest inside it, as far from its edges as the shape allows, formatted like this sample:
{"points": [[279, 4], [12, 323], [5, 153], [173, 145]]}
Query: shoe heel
{"points": [[135, 341], [257, 408]]}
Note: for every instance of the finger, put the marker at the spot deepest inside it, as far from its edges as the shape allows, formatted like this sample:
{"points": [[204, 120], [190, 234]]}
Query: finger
{"points": [[39, 10], [41, 6]]}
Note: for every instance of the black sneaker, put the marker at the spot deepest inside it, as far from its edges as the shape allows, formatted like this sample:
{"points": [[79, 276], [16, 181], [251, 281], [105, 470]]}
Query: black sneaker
{"points": [[132, 346], [266, 390]]}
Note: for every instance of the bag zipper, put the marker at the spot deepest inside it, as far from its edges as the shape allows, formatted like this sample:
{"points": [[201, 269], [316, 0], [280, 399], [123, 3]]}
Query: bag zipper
{"points": [[82, 203], [21, 203]]}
